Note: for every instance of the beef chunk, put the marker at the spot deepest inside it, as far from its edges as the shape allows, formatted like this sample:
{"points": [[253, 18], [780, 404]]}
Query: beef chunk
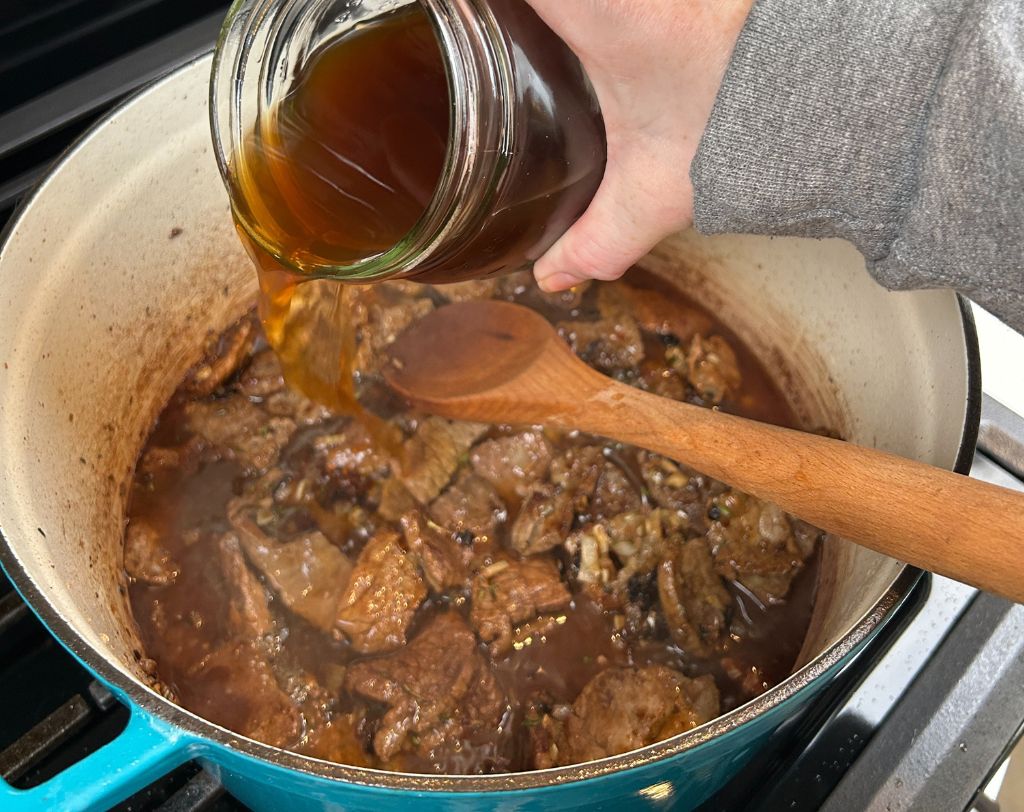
{"points": [[395, 500], [445, 562], [380, 316], [693, 598], [664, 383], [676, 487], [234, 686], [262, 376], [433, 454], [248, 612], [438, 690], [610, 345], [612, 552], [753, 542], [544, 520], [654, 311], [145, 557], [382, 596], [290, 403], [223, 354], [183, 459], [599, 487], [710, 366], [240, 430], [513, 463], [510, 592], [262, 380], [351, 459], [469, 505], [622, 709], [308, 573]]}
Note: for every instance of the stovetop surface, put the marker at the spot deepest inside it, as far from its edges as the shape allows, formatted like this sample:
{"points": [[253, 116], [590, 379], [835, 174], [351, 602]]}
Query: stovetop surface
{"points": [[921, 719]]}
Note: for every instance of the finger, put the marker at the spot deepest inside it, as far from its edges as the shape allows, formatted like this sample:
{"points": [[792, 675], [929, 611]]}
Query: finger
{"points": [[628, 216]]}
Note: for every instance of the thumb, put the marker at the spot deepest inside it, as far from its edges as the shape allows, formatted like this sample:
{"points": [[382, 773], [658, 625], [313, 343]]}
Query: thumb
{"points": [[631, 212]]}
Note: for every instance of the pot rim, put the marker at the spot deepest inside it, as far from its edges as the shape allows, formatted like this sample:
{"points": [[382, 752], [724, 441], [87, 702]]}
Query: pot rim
{"points": [[136, 692]]}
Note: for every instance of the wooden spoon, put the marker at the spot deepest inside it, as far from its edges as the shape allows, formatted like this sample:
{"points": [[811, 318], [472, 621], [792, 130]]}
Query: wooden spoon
{"points": [[496, 362]]}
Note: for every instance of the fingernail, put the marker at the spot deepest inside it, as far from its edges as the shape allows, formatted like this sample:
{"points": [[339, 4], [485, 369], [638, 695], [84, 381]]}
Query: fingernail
{"points": [[557, 282]]}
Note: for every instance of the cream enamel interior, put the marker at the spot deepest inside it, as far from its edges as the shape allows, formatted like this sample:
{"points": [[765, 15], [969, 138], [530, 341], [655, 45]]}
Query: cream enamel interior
{"points": [[105, 304]]}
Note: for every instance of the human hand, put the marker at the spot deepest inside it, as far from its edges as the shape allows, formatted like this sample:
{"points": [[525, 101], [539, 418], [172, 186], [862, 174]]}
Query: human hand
{"points": [[656, 66]]}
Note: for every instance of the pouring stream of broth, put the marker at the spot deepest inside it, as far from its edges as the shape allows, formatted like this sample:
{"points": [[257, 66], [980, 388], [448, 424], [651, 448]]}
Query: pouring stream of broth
{"points": [[497, 362]]}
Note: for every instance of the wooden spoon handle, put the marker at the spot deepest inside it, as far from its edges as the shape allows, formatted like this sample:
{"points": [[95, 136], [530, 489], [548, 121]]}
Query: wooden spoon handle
{"points": [[944, 522]]}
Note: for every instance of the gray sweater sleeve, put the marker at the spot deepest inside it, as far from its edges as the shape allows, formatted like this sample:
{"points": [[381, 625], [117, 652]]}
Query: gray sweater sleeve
{"points": [[897, 124]]}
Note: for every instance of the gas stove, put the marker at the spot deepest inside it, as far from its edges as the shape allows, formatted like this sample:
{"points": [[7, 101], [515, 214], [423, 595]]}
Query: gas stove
{"points": [[923, 718]]}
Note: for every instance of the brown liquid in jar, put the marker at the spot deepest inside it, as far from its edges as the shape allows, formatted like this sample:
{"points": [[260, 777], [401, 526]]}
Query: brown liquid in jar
{"points": [[350, 158], [348, 161]]}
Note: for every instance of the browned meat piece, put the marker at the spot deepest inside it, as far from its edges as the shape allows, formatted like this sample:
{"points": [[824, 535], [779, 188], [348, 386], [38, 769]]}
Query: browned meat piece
{"points": [[263, 380], [224, 353], [380, 317], [145, 557], [663, 382], [438, 690], [622, 709], [445, 562], [753, 542], [610, 345], [470, 505], [614, 493], [351, 459], [240, 429], [654, 311], [471, 289], [599, 487], [433, 454], [514, 463], [395, 500], [234, 686], [510, 592], [248, 613], [638, 541], [710, 366], [308, 573], [693, 598], [676, 487], [290, 403], [183, 458], [544, 520], [806, 536], [262, 376], [383, 594]]}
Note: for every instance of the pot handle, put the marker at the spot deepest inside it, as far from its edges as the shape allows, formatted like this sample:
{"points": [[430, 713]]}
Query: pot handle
{"points": [[144, 751]]}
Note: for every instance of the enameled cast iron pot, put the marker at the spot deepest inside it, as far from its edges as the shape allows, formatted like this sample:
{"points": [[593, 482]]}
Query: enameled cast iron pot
{"points": [[125, 257]]}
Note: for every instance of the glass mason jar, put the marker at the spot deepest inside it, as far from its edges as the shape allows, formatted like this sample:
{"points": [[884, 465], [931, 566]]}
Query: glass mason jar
{"points": [[526, 143]]}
